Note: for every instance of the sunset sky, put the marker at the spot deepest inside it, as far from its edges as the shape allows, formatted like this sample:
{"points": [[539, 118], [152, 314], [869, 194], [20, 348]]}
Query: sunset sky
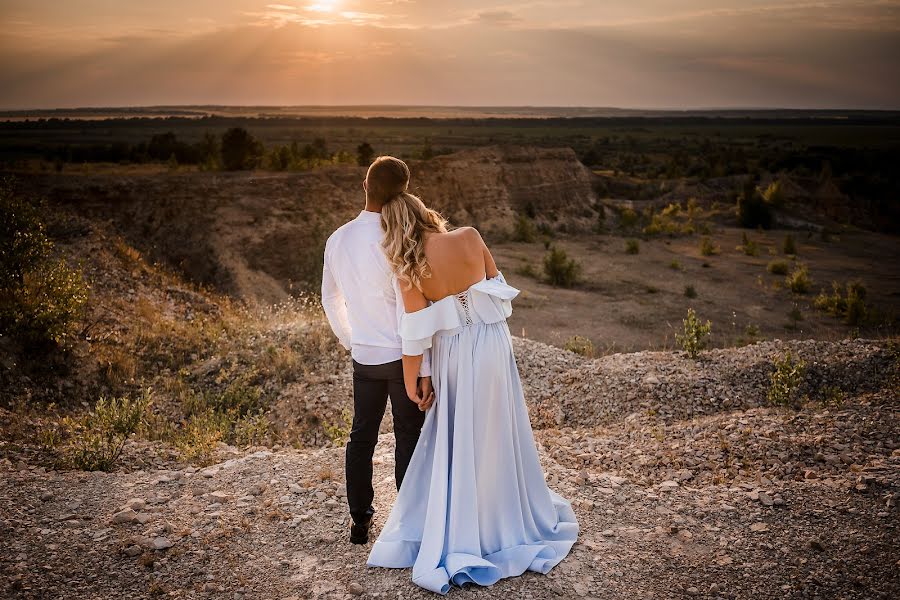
{"points": [[632, 54]]}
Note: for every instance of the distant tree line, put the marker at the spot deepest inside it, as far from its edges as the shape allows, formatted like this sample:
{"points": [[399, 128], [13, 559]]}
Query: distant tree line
{"points": [[236, 149]]}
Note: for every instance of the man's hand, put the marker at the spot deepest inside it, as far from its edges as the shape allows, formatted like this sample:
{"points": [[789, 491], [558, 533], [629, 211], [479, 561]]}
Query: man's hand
{"points": [[425, 393]]}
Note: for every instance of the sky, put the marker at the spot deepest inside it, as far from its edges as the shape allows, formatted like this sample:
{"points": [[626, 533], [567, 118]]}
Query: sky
{"points": [[615, 53]]}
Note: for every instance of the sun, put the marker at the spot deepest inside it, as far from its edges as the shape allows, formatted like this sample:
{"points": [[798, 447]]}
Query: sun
{"points": [[324, 6]]}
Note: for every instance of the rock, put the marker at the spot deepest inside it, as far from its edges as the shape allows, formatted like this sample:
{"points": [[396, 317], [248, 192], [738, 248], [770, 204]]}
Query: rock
{"points": [[209, 472], [124, 516], [759, 526], [136, 504], [356, 589], [161, 543], [669, 484], [133, 550], [46, 496], [218, 496], [692, 591], [765, 499]]}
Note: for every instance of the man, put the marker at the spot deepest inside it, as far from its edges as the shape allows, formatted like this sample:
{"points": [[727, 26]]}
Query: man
{"points": [[363, 303]]}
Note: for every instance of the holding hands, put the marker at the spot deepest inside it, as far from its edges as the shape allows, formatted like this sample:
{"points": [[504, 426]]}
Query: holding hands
{"points": [[422, 393]]}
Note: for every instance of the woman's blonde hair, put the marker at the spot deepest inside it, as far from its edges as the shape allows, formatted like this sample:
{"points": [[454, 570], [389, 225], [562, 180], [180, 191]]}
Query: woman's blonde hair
{"points": [[404, 218]]}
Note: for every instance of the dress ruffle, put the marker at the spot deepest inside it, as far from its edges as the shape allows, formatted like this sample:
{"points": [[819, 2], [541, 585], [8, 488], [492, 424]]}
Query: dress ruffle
{"points": [[490, 300]]}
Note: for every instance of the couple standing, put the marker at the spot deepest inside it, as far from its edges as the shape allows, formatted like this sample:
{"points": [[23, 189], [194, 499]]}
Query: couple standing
{"points": [[423, 311]]}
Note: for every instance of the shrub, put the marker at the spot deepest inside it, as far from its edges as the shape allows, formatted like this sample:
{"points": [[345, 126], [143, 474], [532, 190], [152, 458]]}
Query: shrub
{"points": [[788, 246], [795, 315], [528, 270], [774, 194], [689, 291], [240, 150], [339, 432], [777, 267], [628, 218], [42, 297], [524, 230], [675, 265], [200, 435], [752, 209], [785, 380], [580, 345], [707, 248], [748, 246], [559, 269], [798, 281], [695, 336], [852, 307], [96, 441], [632, 246]]}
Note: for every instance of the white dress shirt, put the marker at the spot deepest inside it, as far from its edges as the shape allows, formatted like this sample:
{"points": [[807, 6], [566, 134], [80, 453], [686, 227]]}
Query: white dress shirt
{"points": [[361, 295]]}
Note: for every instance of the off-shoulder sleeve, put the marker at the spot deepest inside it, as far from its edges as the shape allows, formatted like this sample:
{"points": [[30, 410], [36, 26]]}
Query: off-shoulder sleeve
{"points": [[417, 328]]}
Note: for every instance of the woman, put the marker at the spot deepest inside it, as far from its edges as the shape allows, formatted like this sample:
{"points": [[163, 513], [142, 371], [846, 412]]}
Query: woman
{"points": [[474, 505]]}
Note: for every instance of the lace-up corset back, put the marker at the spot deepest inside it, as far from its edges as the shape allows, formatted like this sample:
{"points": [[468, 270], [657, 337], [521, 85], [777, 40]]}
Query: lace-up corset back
{"points": [[462, 300]]}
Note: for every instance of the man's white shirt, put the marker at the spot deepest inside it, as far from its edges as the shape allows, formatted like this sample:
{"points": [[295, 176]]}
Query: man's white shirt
{"points": [[361, 295]]}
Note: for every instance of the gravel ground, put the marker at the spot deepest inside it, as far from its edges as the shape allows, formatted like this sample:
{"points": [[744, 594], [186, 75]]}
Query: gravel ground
{"points": [[685, 485]]}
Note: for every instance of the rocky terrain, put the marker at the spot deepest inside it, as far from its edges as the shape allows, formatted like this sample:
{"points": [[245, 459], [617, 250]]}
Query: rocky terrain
{"points": [[260, 235], [684, 482]]}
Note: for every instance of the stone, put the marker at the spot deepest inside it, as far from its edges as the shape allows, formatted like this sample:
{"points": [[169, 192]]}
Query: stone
{"points": [[356, 589], [124, 516], [136, 504], [161, 543]]}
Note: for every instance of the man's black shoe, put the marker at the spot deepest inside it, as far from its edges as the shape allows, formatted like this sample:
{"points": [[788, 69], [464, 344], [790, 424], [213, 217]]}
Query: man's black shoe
{"points": [[359, 532]]}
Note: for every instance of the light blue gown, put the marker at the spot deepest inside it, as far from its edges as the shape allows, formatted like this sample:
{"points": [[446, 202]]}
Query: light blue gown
{"points": [[474, 505]]}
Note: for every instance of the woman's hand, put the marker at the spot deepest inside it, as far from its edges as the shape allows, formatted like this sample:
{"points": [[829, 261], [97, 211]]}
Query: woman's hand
{"points": [[421, 393]]}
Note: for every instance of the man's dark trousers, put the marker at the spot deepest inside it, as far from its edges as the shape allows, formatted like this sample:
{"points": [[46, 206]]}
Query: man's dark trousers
{"points": [[372, 384]]}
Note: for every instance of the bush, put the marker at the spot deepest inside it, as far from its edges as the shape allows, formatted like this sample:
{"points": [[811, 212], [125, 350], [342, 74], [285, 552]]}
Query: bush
{"points": [[788, 246], [777, 267], [632, 246], [42, 297], [748, 246], [798, 281], [752, 209], [524, 230], [785, 380], [240, 150], [689, 291], [580, 345], [695, 336], [339, 432], [96, 441], [561, 270], [774, 194], [628, 218], [852, 307], [675, 265], [707, 248], [528, 270]]}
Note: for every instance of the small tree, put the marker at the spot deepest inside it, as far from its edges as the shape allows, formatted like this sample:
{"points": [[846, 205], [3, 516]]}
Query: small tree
{"points": [[560, 269], [789, 247], [752, 209], [524, 230], [785, 380], [240, 150], [695, 336], [364, 154]]}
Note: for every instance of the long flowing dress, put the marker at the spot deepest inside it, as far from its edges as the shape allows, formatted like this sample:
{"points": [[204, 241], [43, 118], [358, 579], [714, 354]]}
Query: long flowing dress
{"points": [[474, 506]]}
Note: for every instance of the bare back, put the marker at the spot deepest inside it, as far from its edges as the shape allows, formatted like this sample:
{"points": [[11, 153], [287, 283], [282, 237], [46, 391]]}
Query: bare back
{"points": [[457, 259]]}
